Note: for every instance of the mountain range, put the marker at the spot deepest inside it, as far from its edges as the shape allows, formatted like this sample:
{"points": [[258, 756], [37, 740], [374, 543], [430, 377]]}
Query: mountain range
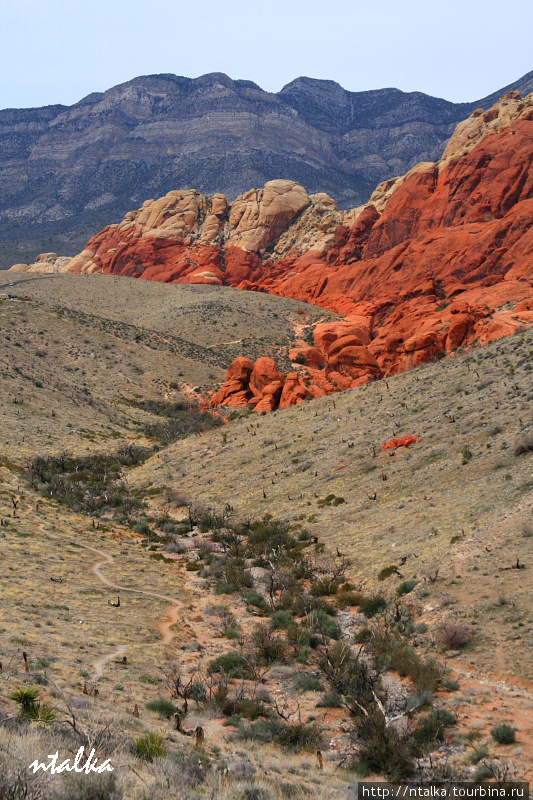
{"points": [[65, 171]]}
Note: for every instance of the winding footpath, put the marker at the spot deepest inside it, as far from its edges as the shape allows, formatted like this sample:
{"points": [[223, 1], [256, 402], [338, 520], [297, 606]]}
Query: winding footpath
{"points": [[164, 626]]}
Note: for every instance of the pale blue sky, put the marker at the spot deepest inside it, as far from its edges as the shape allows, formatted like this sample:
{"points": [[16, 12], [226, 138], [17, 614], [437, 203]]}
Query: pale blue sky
{"points": [[57, 51]]}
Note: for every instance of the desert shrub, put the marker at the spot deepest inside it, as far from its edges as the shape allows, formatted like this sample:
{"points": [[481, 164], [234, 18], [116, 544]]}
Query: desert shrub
{"points": [[304, 604], [431, 728], [169, 526], [424, 673], [370, 606], [466, 454], [142, 527], [405, 587], [503, 734], [31, 706], [151, 746], [17, 783], [321, 623], [178, 548], [225, 587], [330, 500], [241, 578], [281, 620], [363, 636], [478, 754], [180, 770], [88, 787], [329, 700], [307, 682], [382, 750], [400, 657], [482, 773], [450, 684], [345, 598], [324, 587], [161, 706], [253, 598], [233, 664], [269, 535], [244, 707], [180, 420], [453, 634], [419, 700], [147, 678], [268, 648], [27, 697], [386, 572], [293, 736], [91, 484], [349, 676]]}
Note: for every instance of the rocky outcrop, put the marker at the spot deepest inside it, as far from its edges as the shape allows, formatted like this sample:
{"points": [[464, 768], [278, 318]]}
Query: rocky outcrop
{"points": [[339, 360], [187, 237], [236, 390], [45, 262], [261, 385], [258, 217]]}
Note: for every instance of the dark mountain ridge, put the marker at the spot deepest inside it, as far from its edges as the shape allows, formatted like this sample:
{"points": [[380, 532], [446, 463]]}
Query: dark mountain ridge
{"points": [[65, 171]]}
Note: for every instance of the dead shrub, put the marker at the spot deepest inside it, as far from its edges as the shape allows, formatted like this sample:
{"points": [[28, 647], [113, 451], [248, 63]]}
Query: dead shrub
{"points": [[453, 634]]}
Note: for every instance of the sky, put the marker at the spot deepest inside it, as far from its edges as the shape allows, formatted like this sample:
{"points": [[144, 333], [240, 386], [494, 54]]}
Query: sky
{"points": [[58, 51]]}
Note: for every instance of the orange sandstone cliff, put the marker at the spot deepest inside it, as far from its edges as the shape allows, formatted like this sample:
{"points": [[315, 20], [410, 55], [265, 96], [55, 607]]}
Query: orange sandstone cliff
{"points": [[438, 259]]}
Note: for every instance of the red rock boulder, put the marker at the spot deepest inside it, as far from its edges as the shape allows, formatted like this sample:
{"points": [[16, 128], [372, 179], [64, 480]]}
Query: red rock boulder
{"points": [[405, 441]]}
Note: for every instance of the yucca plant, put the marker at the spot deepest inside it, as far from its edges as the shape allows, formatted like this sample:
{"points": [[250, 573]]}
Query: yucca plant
{"points": [[30, 706], [27, 697], [151, 746], [43, 712]]}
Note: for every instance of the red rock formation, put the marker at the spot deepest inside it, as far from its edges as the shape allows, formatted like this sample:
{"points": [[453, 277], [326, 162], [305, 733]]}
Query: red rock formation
{"points": [[344, 362], [236, 389], [262, 385], [405, 441], [438, 259]]}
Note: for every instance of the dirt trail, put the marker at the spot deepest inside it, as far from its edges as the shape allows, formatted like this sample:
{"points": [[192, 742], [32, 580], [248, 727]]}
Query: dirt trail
{"points": [[164, 626], [100, 663], [220, 344]]}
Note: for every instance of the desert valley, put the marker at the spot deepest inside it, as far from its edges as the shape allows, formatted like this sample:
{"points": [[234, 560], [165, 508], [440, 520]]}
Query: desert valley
{"points": [[266, 488]]}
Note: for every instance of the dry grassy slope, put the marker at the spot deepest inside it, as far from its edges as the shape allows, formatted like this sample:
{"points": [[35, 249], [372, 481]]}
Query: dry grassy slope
{"points": [[75, 638], [76, 374], [424, 496], [227, 322], [84, 346], [66, 382]]}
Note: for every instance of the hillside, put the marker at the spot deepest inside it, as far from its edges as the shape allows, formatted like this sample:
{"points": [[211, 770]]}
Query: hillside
{"points": [[67, 171], [452, 513], [459, 500]]}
